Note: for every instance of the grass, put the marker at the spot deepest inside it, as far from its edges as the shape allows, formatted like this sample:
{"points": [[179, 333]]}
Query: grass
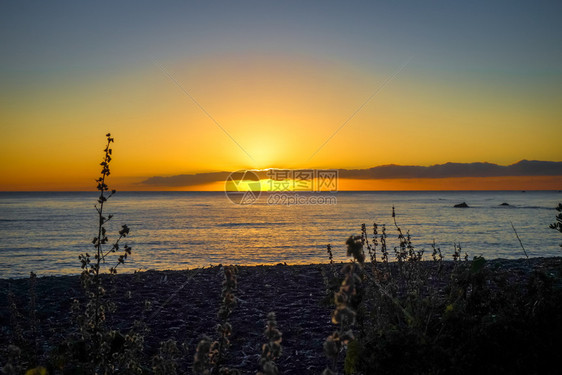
{"points": [[393, 313]]}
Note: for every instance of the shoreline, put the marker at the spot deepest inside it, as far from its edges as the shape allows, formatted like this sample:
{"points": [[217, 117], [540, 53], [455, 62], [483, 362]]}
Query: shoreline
{"points": [[505, 261]]}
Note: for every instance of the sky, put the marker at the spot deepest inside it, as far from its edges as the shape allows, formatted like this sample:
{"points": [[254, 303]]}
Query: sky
{"points": [[196, 87]]}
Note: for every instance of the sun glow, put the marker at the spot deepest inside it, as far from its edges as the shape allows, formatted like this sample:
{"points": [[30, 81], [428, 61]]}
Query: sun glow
{"points": [[250, 93]]}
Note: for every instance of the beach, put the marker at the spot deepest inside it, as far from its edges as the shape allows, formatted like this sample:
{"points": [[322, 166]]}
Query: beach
{"points": [[183, 305]]}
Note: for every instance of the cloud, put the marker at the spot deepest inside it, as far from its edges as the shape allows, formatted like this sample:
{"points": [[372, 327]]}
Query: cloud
{"points": [[447, 170], [186, 179], [522, 168]]}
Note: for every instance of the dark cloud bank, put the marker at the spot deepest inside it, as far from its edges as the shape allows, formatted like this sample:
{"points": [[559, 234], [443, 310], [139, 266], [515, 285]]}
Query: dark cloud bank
{"points": [[522, 168]]}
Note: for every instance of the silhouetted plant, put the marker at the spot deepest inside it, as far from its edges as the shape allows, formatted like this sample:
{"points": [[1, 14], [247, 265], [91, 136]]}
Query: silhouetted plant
{"points": [[330, 254], [355, 249], [165, 362], [457, 252], [398, 296], [271, 351], [405, 251], [103, 348], [202, 361], [417, 321], [384, 249], [329, 280], [365, 242], [437, 256], [210, 355], [557, 225], [344, 316]]}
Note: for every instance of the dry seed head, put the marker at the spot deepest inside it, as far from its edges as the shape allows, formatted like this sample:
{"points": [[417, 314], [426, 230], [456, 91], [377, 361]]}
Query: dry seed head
{"points": [[355, 248]]}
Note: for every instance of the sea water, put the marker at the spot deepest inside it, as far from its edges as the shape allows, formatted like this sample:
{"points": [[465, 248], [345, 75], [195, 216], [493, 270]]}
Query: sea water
{"points": [[46, 232]]}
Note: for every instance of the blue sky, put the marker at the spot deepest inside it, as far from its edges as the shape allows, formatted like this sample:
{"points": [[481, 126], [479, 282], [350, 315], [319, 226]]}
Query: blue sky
{"points": [[482, 36]]}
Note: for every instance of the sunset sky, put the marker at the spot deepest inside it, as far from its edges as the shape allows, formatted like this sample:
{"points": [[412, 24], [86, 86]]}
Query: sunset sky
{"points": [[190, 87]]}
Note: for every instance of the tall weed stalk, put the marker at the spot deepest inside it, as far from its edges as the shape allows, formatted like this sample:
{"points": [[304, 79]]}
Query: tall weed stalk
{"points": [[103, 350]]}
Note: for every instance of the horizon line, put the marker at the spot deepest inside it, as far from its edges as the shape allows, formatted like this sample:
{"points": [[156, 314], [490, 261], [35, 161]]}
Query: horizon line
{"points": [[287, 191]]}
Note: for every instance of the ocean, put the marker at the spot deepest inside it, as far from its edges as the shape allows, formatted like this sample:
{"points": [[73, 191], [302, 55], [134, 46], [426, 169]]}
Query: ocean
{"points": [[45, 232]]}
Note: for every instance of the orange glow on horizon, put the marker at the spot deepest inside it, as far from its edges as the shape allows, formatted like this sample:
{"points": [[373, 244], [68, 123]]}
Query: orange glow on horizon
{"points": [[459, 183], [464, 183]]}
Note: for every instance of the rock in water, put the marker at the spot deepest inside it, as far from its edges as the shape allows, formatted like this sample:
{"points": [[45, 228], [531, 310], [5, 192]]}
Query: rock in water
{"points": [[461, 205]]}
